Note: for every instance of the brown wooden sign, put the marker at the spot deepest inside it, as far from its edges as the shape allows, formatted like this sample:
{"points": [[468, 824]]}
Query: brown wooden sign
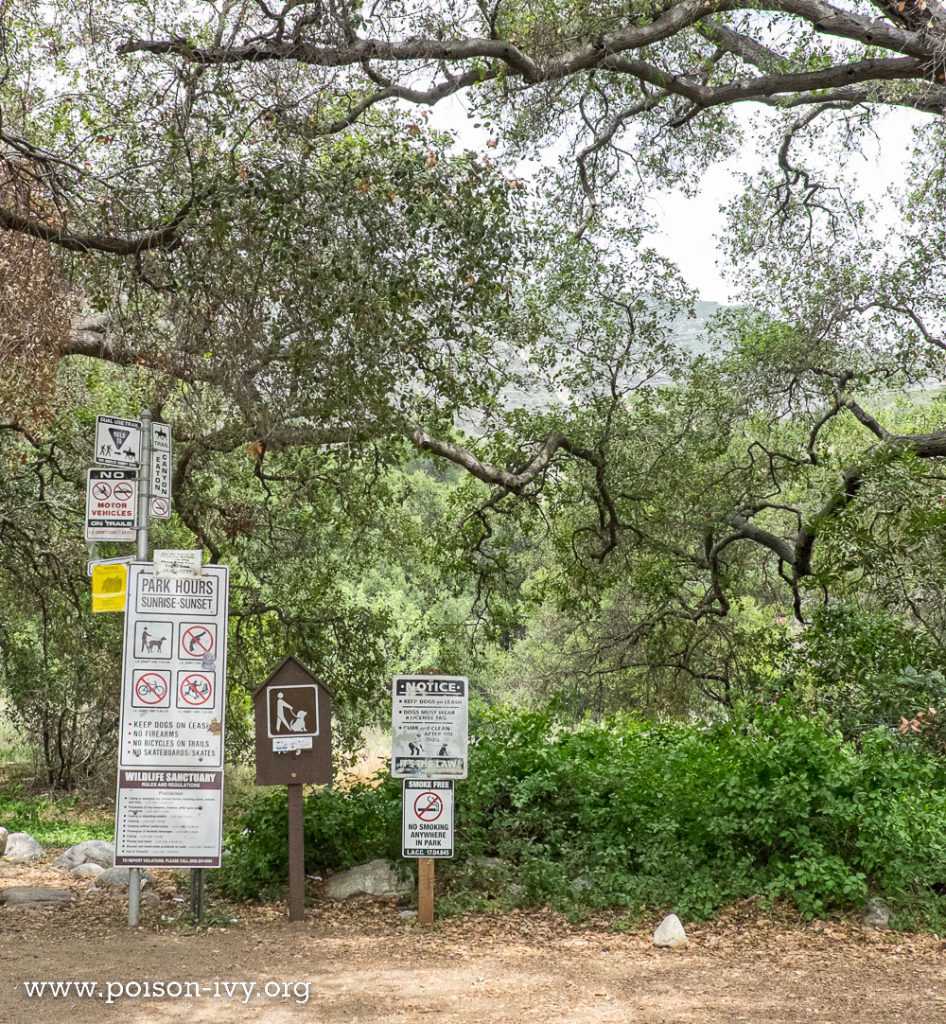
{"points": [[293, 713]]}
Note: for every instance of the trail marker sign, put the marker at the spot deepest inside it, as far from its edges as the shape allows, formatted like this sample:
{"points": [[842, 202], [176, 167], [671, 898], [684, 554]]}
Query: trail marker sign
{"points": [[293, 715], [111, 502], [427, 818], [159, 506], [429, 726], [117, 441]]}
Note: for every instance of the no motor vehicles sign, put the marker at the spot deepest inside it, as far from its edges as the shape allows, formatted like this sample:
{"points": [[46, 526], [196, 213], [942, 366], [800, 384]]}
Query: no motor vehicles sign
{"points": [[110, 504]]}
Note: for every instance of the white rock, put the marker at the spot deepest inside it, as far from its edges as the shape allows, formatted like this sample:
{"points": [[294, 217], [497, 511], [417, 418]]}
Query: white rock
{"points": [[3, 840], [22, 847], [92, 851], [670, 933], [87, 870], [376, 878]]}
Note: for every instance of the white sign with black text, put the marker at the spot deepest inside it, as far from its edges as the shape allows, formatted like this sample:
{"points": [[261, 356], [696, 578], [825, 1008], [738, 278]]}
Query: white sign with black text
{"points": [[169, 800], [429, 726], [171, 819], [174, 669], [111, 502], [427, 818], [117, 441]]}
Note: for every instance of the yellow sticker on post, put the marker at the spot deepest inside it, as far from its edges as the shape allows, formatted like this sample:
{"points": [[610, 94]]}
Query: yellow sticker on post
{"points": [[109, 586]]}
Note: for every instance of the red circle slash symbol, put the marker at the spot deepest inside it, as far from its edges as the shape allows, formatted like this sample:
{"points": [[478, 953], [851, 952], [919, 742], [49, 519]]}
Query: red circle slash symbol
{"points": [[123, 491], [196, 690], [196, 641], [428, 806], [101, 492], [159, 506], [151, 688]]}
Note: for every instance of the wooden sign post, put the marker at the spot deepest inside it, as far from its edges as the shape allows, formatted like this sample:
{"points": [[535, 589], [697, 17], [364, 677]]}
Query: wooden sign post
{"points": [[293, 716], [425, 890]]}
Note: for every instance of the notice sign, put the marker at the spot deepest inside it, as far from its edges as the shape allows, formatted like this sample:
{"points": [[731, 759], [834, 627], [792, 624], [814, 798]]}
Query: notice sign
{"points": [[429, 725], [111, 500], [169, 819], [174, 670], [427, 818], [118, 441]]}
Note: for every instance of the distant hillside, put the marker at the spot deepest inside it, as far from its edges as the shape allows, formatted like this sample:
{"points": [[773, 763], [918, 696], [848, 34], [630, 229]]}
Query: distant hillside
{"points": [[690, 333]]}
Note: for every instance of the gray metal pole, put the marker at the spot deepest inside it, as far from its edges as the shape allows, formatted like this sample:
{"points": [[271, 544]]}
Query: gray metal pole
{"points": [[144, 508]]}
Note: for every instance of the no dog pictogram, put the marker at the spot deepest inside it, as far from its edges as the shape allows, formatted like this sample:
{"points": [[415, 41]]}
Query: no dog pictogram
{"points": [[428, 806]]}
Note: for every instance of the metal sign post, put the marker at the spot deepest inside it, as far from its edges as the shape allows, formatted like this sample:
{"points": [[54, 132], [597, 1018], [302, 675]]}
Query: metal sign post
{"points": [[144, 481]]}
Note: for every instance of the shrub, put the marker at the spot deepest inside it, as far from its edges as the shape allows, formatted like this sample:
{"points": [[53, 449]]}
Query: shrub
{"points": [[342, 828], [675, 816]]}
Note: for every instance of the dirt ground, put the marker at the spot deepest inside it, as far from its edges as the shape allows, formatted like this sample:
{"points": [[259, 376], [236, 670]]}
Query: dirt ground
{"points": [[361, 962]]}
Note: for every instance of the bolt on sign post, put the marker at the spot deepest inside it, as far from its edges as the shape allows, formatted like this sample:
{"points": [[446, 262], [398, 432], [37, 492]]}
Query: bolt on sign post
{"points": [[293, 720], [429, 749]]}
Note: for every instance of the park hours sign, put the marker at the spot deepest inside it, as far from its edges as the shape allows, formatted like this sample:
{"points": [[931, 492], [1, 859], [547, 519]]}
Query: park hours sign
{"points": [[169, 803], [429, 725]]}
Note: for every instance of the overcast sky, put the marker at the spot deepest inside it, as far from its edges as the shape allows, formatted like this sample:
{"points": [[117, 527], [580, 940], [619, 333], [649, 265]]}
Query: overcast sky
{"points": [[689, 226]]}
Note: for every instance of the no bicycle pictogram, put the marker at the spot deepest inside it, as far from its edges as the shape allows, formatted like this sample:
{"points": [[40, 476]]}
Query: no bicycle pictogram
{"points": [[195, 690], [197, 641], [428, 806], [151, 689]]}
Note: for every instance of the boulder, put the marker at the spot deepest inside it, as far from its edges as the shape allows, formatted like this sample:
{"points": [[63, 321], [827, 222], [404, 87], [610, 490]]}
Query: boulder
{"points": [[30, 896], [92, 851], [116, 878], [487, 863], [22, 848], [3, 841], [581, 884], [376, 878], [877, 915], [87, 870], [670, 933]]}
